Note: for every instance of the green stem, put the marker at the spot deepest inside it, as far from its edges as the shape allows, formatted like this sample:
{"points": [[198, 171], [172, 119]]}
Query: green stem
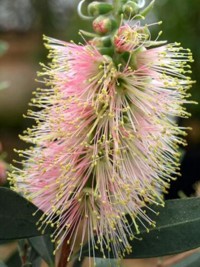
{"points": [[116, 4], [117, 7]]}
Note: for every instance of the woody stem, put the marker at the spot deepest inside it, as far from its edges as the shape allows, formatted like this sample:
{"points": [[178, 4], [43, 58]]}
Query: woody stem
{"points": [[65, 251]]}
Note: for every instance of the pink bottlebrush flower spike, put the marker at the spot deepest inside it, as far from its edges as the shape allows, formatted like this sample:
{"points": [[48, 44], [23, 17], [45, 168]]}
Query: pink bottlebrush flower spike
{"points": [[105, 143]]}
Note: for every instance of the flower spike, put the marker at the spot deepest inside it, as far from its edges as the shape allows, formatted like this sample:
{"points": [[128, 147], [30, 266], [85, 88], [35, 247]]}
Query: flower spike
{"points": [[105, 143]]}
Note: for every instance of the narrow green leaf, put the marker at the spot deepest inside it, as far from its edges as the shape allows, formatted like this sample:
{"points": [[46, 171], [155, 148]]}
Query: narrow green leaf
{"points": [[145, 11], [37, 262], [99, 263], [177, 230], [106, 263], [16, 216], [44, 247], [34, 258], [191, 261], [14, 260], [33, 255]]}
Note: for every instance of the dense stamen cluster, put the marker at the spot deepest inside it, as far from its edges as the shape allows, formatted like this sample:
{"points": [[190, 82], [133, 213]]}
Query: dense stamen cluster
{"points": [[130, 38], [106, 142]]}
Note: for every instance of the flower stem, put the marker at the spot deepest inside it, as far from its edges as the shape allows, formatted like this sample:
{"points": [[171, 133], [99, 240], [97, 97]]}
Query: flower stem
{"points": [[65, 251], [117, 6]]}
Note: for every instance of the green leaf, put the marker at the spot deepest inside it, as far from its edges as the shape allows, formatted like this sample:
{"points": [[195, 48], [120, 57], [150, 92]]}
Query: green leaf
{"points": [[191, 261], [146, 11], [16, 216], [177, 230], [106, 263], [14, 260], [3, 264], [37, 262], [99, 263], [44, 247], [34, 258]]}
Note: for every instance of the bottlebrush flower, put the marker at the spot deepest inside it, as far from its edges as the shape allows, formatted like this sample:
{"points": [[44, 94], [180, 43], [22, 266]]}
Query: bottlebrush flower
{"points": [[105, 143]]}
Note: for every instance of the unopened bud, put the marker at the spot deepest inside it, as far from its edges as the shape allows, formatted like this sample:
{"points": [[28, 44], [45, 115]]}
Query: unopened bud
{"points": [[97, 8], [107, 51], [103, 41], [103, 25], [133, 57], [130, 9]]}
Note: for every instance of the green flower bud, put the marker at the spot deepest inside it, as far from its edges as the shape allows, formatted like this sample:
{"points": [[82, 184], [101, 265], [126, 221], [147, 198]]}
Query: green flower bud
{"points": [[133, 58], [97, 8], [106, 51], [103, 25], [130, 9], [103, 41]]}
